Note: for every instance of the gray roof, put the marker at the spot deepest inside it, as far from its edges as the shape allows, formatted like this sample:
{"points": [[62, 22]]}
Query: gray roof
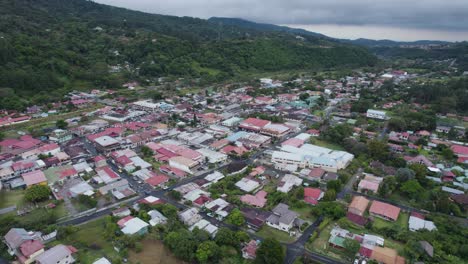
{"points": [[16, 236], [54, 255], [282, 214]]}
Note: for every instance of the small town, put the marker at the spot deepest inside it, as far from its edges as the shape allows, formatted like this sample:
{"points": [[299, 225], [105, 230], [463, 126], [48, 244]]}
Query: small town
{"points": [[233, 132], [305, 166]]}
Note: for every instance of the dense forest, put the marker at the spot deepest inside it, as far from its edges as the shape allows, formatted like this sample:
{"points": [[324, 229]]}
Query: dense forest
{"points": [[48, 47]]}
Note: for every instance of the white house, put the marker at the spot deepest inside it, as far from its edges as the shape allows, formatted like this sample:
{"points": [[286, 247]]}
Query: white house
{"points": [[288, 182], [212, 156], [282, 218], [371, 113]]}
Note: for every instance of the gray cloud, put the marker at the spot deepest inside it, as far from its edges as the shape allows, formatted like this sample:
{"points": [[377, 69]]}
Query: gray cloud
{"points": [[427, 14]]}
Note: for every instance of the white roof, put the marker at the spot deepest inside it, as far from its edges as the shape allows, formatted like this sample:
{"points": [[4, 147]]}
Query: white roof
{"points": [[303, 136], [102, 260], [134, 225], [210, 154], [106, 141], [247, 185], [215, 176], [137, 161], [416, 223]]}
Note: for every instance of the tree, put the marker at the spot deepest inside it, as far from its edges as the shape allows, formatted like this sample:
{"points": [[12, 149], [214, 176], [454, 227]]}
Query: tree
{"points": [[412, 189], [378, 150], [147, 152], [2, 136], [62, 124], [334, 185], [182, 244], [207, 251], [270, 252], [175, 195], [419, 171], [330, 195], [37, 193], [387, 187], [242, 236], [226, 236], [404, 174], [236, 217], [351, 246], [87, 200]]}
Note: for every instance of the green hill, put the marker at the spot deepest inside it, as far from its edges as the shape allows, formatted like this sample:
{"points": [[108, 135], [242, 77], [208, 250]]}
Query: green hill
{"points": [[48, 47]]}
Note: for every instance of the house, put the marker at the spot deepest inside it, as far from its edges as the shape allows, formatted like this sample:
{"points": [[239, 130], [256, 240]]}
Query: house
{"points": [[183, 163], [156, 218], [369, 183], [418, 222], [386, 255], [25, 245], [249, 251], [121, 212], [134, 226], [212, 156], [258, 200], [36, 177], [253, 124], [316, 174], [382, 115], [384, 210], [157, 180], [247, 185], [59, 254], [358, 205], [275, 130], [206, 226], [190, 216], [282, 218], [420, 159], [460, 151], [428, 248], [288, 182], [255, 218], [312, 195]]}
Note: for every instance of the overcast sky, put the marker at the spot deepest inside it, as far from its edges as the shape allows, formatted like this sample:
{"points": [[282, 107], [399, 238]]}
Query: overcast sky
{"points": [[376, 19]]}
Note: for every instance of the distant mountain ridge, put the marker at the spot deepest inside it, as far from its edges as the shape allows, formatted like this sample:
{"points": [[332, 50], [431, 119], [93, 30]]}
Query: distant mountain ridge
{"points": [[49, 47], [239, 22]]}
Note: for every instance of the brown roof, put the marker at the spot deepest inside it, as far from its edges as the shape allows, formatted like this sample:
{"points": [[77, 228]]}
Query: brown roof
{"points": [[384, 255], [384, 209], [359, 203]]}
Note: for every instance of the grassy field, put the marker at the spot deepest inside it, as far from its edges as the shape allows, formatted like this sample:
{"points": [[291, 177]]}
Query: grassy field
{"points": [[90, 242], [269, 232], [326, 144], [305, 213], [402, 221], [10, 198], [153, 252]]}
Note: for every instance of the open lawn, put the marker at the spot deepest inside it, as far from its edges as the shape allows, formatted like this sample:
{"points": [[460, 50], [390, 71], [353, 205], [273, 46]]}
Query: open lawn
{"points": [[305, 213], [326, 144], [10, 198], [153, 252], [91, 243], [269, 232], [401, 222]]}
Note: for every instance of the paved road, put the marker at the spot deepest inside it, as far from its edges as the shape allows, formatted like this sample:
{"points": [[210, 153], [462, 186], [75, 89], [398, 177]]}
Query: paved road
{"points": [[348, 188]]}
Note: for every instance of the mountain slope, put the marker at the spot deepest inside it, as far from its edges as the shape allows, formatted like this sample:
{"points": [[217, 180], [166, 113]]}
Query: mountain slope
{"points": [[239, 22], [48, 47]]}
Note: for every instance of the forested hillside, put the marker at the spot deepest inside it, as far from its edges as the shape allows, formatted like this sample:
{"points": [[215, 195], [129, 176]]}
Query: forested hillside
{"points": [[50, 46]]}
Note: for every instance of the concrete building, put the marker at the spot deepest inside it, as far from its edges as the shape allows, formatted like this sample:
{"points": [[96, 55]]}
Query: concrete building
{"points": [[376, 114]]}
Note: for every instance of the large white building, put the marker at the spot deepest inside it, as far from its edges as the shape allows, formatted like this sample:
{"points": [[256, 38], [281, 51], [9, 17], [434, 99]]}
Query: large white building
{"points": [[312, 156], [382, 115], [212, 156]]}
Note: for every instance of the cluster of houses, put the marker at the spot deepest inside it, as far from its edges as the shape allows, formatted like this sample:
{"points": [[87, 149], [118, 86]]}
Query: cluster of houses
{"points": [[31, 247]]}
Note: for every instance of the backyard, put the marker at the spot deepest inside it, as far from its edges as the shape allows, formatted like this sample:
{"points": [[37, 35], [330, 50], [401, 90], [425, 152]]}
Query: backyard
{"points": [[269, 232], [153, 252]]}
